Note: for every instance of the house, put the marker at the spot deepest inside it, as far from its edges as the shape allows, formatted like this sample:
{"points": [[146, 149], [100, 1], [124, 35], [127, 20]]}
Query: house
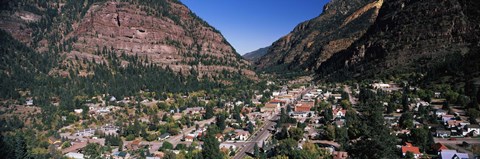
{"points": [[340, 155], [74, 155], [134, 145], [337, 96], [29, 102], [446, 118], [219, 137], [339, 113], [120, 155], [78, 111], [473, 130], [302, 108], [301, 114], [380, 86], [410, 148], [270, 107], [453, 154], [194, 110], [440, 112], [164, 136], [189, 138], [438, 147], [241, 134], [443, 133], [308, 103], [453, 123], [277, 101]]}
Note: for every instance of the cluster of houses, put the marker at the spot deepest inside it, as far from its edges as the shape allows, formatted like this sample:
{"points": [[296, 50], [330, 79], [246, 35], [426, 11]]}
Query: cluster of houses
{"points": [[442, 151], [454, 123]]}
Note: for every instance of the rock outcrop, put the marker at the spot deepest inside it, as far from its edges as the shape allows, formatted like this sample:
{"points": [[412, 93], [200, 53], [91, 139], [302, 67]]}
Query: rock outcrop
{"points": [[165, 32], [314, 41], [420, 36]]}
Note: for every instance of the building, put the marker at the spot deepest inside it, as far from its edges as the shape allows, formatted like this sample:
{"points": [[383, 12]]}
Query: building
{"points": [[302, 108], [74, 155], [194, 110], [410, 148], [164, 136], [339, 113], [29, 102], [443, 133], [440, 112], [438, 147], [189, 138], [270, 107], [241, 134], [134, 145], [473, 130], [453, 154]]}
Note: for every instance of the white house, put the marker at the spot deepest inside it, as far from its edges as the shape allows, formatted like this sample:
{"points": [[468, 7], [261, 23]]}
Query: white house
{"points": [[29, 102], [74, 155], [242, 134], [474, 129], [440, 112], [78, 111]]}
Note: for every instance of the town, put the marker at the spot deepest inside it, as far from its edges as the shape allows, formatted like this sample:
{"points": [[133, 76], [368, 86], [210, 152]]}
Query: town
{"points": [[425, 123]]}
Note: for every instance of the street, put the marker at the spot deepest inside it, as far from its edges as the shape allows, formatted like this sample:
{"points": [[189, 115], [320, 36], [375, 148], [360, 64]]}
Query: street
{"points": [[258, 139]]}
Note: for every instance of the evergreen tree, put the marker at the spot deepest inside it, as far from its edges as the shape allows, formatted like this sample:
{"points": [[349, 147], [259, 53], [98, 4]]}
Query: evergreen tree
{"points": [[208, 112], [256, 151], [210, 147]]}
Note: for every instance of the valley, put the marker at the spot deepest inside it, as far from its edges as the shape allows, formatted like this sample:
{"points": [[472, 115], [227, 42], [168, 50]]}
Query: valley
{"points": [[152, 79]]}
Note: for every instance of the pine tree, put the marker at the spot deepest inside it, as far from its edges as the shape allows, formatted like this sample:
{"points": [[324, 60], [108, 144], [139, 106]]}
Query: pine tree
{"points": [[211, 145]]}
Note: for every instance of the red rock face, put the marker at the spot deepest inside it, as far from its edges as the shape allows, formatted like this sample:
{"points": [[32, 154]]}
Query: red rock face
{"points": [[127, 28], [177, 39]]}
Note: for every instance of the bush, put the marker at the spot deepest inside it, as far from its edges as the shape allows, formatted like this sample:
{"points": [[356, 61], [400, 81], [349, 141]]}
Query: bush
{"points": [[166, 146], [130, 137]]}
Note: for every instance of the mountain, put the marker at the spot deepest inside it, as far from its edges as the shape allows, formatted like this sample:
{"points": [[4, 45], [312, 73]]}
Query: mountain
{"points": [[164, 32], [255, 55], [312, 42], [433, 38]]}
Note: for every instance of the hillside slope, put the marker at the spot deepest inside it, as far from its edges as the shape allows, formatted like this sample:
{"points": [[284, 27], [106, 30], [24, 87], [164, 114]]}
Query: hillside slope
{"points": [[162, 32], [255, 55], [314, 41], [429, 37]]}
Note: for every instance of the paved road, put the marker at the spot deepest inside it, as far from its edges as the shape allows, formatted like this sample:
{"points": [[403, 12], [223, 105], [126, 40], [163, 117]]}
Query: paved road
{"points": [[176, 139], [258, 139], [457, 140]]}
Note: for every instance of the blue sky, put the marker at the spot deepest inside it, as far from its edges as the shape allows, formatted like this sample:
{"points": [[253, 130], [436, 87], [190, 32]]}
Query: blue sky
{"points": [[251, 24]]}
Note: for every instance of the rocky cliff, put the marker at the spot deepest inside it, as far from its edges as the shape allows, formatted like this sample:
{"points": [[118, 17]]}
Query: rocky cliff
{"points": [[430, 37], [314, 41], [162, 32]]}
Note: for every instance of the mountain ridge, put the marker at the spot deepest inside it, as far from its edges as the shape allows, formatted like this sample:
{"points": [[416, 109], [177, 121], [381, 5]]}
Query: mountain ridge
{"points": [[255, 55], [162, 32], [312, 42]]}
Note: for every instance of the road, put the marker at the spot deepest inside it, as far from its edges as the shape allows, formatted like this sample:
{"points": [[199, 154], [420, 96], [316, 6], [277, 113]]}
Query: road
{"points": [[175, 140], [347, 89], [261, 136], [457, 140]]}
